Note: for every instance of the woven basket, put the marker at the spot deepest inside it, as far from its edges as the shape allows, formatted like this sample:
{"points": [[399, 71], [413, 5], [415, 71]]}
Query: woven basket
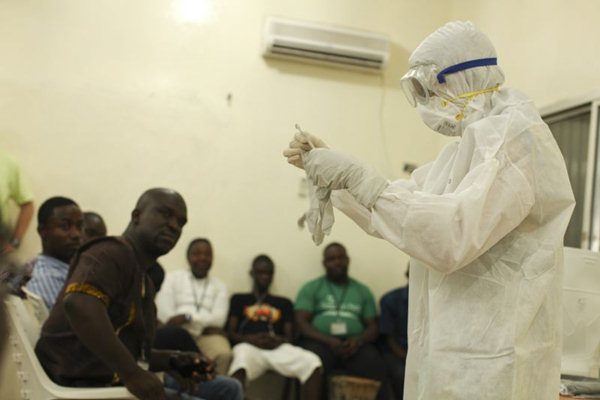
{"points": [[344, 387]]}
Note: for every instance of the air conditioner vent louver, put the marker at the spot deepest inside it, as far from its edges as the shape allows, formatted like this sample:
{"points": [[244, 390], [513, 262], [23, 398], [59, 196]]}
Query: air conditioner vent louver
{"points": [[312, 42]]}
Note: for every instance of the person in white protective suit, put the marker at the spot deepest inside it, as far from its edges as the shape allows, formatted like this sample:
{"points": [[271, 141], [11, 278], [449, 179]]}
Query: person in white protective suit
{"points": [[483, 224]]}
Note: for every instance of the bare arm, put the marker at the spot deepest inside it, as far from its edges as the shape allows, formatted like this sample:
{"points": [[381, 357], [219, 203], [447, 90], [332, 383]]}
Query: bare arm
{"points": [[260, 340], [371, 332], [288, 332], [232, 331], [397, 350], [272, 340], [306, 329], [352, 344], [23, 220], [89, 320]]}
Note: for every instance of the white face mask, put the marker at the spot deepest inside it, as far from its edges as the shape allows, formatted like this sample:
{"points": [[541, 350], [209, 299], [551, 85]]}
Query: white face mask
{"points": [[450, 116], [442, 116]]}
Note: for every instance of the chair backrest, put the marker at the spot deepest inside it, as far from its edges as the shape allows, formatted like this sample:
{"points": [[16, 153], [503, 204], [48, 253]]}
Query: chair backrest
{"points": [[38, 307], [33, 381], [22, 312]]}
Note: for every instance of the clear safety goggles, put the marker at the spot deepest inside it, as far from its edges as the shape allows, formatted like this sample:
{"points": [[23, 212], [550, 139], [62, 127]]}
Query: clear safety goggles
{"points": [[414, 85], [414, 88]]}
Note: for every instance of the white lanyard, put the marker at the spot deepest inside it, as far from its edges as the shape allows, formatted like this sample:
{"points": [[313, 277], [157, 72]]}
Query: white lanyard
{"points": [[204, 288]]}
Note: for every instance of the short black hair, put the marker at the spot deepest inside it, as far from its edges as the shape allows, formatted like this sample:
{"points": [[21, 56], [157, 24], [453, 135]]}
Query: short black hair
{"points": [[49, 205], [334, 244], [91, 214], [262, 258], [194, 241]]}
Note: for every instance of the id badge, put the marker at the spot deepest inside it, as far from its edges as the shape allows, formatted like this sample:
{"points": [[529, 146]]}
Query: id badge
{"points": [[338, 328]]}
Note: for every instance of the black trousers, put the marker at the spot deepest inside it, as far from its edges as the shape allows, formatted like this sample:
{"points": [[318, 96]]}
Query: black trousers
{"points": [[365, 363], [174, 338], [396, 370]]}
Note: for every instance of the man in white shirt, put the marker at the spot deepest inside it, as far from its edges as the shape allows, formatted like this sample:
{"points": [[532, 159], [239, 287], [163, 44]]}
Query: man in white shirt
{"points": [[200, 304]]}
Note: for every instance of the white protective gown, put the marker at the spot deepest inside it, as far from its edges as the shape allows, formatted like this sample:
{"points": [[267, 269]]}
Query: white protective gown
{"points": [[484, 225]]}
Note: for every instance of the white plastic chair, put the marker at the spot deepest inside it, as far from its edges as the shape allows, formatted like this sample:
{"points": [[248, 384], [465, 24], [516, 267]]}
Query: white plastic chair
{"points": [[32, 379], [38, 307]]}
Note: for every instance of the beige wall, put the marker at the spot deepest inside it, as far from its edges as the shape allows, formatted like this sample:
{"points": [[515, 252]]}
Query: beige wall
{"points": [[102, 100], [549, 49]]}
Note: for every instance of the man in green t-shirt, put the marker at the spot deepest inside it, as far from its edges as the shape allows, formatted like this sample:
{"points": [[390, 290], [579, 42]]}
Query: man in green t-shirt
{"points": [[335, 315]]}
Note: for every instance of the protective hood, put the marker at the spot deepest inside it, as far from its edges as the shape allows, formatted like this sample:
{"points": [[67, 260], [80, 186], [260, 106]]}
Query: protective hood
{"points": [[454, 44]]}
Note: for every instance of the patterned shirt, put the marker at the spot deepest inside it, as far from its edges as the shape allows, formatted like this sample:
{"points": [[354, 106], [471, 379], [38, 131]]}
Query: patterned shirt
{"points": [[47, 278], [110, 270], [261, 315]]}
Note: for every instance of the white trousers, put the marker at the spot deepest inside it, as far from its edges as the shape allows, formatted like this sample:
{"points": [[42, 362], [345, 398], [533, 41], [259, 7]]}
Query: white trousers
{"points": [[287, 360]]}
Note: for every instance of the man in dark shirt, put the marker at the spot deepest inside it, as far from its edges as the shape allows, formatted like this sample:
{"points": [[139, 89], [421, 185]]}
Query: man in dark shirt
{"points": [[104, 320], [393, 327], [261, 326]]}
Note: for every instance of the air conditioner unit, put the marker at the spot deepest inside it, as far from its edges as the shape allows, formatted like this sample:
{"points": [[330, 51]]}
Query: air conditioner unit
{"points": [[325, 44]]}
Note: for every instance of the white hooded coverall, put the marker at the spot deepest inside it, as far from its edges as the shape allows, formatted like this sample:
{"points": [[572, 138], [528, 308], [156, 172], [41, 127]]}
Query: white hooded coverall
{"points": [[484, 225]]}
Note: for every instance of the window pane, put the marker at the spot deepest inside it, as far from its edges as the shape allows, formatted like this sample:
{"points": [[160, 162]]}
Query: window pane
{"points": [[571, 134], [595, 217]]}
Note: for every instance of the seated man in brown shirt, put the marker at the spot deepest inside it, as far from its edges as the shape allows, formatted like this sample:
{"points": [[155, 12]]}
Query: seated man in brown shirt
{"points": [[104, 319]]}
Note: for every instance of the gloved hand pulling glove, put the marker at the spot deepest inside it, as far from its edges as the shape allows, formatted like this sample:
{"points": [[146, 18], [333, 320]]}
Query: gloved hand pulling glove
{"points": [[302, 143], [331, 170]]}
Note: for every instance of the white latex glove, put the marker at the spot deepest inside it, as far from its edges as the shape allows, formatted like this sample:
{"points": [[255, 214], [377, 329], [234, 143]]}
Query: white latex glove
{"points": [[302, 143], [331, 170], [319, 216]]}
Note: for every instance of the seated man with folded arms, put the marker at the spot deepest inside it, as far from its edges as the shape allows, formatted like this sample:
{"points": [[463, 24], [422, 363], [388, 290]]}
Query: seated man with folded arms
{"points": [[199, 303], [335, 315], [169, 337], [59, 227], [104, 321], [261, 326]]}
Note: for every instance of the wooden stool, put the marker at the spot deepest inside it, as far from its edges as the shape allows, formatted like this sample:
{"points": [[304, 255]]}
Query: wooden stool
{"points": [[345, 387]]}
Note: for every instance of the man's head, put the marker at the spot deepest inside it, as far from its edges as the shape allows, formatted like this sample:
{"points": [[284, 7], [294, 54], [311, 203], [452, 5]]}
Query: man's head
{"points": [[200, 257], [93, 226], [451, 75], [262, 272], [59, 227], [336, 261], [157, 221]]}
